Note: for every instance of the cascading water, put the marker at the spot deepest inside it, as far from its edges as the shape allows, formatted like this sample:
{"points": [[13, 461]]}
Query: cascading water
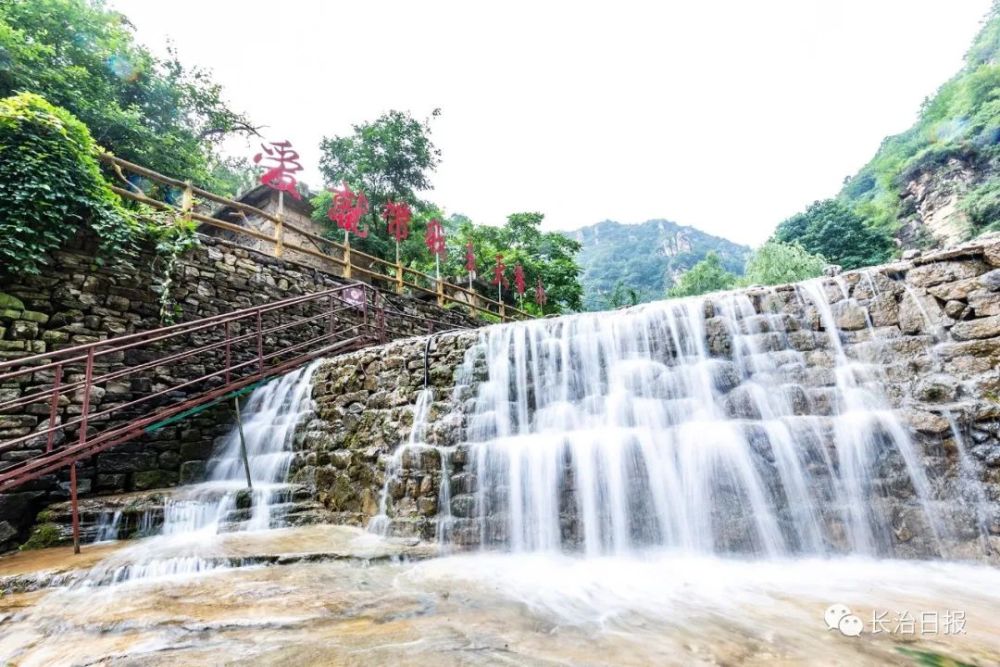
{"points": [[223, 503], [271, 415], [612, 432]]}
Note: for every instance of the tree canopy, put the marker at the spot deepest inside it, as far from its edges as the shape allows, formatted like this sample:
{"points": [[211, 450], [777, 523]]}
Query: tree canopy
{"points": [[833, 230], [708, 275], [550, 256], [83, 57], [777, 263], [389, 159]]}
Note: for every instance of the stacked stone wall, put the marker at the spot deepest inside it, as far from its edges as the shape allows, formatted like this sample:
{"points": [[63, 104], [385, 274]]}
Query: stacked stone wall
{"points": [[76, 300], [931, 324]]}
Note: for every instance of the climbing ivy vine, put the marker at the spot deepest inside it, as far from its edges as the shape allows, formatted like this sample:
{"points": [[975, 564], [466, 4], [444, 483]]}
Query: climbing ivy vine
{"points": [[52, 187]]}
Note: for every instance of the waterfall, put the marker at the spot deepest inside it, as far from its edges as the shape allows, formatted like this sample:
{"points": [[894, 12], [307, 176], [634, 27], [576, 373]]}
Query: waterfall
{"points": [[223, 502], [712, 425]]}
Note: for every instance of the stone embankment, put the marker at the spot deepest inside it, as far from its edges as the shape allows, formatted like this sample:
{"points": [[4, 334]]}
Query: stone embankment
{"points": [[76, 300]]}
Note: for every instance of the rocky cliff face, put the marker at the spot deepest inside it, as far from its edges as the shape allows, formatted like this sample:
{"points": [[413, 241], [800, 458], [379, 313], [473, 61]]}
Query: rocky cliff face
{"points": [[931, 205], [930, 326]]}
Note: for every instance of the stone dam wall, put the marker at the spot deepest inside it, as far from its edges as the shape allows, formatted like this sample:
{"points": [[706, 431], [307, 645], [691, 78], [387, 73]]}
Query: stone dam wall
{"points": [[931, 325], [76, 300]]}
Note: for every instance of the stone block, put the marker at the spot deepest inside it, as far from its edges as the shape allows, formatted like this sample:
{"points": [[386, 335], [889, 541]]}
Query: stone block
{"points": [[125, 462], [23, 330], [153, 479], [192, 472], [986, 327], [34, 316]]}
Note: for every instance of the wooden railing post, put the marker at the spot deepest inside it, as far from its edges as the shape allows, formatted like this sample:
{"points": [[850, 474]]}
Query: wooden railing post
{"points": [[187, 202], [279, 226], [347, 255], [399, 277], [440, 292], [503, 312]]}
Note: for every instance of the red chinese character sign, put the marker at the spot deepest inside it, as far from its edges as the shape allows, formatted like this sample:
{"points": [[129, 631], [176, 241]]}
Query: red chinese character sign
{"points": [[347, 211], [280, 162], [540, 297], [397, 217], [435, 240]]}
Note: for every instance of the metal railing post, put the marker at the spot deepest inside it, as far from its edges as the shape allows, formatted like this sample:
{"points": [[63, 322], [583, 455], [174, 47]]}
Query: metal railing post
{"points": [[74, 504], [229, 354], [260, 345], [87, 386], [54, 408]]}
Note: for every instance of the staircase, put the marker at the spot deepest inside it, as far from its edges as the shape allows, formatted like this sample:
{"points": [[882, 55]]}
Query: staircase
{"points": [[99, 395]]}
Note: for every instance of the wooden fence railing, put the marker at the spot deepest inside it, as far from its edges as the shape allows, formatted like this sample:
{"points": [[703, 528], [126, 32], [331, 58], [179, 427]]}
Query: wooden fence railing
{"points": [[351, 262]]}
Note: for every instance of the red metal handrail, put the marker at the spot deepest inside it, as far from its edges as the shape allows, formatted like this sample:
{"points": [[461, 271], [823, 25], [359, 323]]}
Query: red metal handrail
{"points": [[217, 357]]}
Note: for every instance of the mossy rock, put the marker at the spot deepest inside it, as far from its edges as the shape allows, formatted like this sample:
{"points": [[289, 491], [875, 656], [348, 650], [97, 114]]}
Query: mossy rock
{"points": [[8, 302], [43, 536]]}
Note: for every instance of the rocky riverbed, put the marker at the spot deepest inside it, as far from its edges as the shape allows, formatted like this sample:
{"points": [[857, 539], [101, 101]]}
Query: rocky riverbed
{"points": [[336, 595]]}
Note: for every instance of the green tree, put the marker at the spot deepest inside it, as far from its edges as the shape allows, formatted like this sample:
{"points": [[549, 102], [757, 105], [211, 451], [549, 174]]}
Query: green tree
{"points": [[390, 158], [83, 57], [550, 256], [52, 187], [708, 275], [777, 263], [621, 296], [831, 229]]}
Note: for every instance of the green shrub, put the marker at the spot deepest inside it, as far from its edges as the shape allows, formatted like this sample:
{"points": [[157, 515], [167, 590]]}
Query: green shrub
{"points": [[53, 187]]}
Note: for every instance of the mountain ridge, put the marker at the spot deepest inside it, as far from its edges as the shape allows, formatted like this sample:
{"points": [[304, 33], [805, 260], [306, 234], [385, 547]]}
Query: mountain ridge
{"points": [[647, 257]]}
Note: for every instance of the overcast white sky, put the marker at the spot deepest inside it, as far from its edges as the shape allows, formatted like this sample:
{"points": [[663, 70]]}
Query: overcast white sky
{"points": [[725, 115]]}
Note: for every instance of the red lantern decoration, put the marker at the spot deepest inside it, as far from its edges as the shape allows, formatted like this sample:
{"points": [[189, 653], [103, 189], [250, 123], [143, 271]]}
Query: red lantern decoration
{"points": [[282, 161], [397, 217], [540, 297], [348, 209], [498, 272], [470, 258], [434, 238], [519, 284]]}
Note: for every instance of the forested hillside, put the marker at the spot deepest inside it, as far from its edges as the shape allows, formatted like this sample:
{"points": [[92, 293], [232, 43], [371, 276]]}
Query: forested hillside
{"points": [[936, 184], [635, 263]]}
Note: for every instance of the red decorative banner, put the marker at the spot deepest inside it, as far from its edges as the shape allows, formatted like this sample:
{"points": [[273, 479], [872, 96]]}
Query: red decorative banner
{"points": [[498, 272], [470, 258], [281, 162], [519, 284], [540, 297], [348, 209], [397, 217], [434, 238]]}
